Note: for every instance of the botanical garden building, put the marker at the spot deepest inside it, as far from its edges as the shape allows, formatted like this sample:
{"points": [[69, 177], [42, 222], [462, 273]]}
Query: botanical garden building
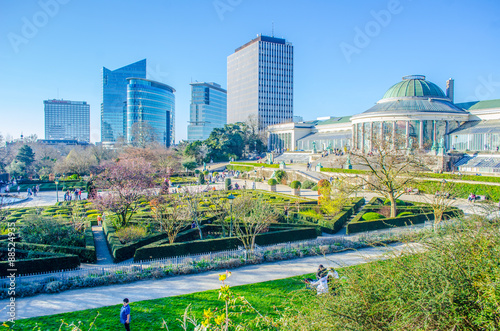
{"points": [[415, 109]]}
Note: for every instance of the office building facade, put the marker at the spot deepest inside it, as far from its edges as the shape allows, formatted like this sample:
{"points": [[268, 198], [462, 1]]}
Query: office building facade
{"points": [[260, 82], [152, 103], [114, 100], [65, 119], [208, 110]]}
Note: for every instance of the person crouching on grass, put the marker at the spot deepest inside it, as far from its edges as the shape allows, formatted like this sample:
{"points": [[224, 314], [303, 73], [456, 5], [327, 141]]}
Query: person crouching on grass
{"points": [[125, 314]]}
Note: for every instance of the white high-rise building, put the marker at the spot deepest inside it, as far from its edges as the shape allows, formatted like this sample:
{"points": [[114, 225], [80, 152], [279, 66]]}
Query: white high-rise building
{"points": [[67, 120], [260, 82]]}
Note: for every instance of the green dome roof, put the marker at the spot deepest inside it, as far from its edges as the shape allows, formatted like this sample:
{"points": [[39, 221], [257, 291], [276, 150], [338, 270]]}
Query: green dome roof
{"points": [[414, 86]]}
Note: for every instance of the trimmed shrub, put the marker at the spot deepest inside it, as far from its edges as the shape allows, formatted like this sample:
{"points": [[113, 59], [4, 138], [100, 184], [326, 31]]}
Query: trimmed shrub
{"points": [[357, 226], [227, 184], [201, 178], [372, 216], [272, 182], [42, 262], [121, 252], [295, 184], [398, 202], [131, 233], [405, 213]]}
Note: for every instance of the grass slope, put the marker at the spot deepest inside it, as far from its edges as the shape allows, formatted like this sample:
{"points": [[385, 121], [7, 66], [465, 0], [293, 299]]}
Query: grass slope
{"points": [[266, 297]]}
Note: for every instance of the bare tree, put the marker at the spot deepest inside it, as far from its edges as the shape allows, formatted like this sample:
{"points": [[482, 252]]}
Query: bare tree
{"points": [[142, 134], [79, 161], [170, 214], [441, 199], [252, 217], [192, 198], [391, 168]]}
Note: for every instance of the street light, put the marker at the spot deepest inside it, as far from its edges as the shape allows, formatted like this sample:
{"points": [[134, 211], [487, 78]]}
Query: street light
{"points": [[57, 192], [231, 197]]}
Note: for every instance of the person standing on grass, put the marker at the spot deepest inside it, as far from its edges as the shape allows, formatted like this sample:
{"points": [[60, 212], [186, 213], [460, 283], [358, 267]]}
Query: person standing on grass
{"points": [[125, 314]]}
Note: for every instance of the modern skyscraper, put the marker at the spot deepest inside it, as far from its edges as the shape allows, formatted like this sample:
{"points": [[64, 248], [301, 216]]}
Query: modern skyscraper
{"points": [[114, 99], [208, 110], [152, 103], [260, 82], [66, 119]]}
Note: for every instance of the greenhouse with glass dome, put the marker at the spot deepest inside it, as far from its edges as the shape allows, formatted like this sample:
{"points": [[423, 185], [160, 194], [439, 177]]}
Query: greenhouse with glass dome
{"points": [[414, 109]]}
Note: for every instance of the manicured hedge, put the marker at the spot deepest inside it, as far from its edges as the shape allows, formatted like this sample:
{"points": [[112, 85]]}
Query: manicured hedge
{"points": [[462, 189], [258, 165], [122, 252], [84, 254], [214, 245], [48, 262], [336, 223], [361, 226], [346, 171], [239, 168]]}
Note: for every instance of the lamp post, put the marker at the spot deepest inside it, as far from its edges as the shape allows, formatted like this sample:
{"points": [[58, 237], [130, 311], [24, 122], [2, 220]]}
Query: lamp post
{"points": [[231, 197], [57, 191]]}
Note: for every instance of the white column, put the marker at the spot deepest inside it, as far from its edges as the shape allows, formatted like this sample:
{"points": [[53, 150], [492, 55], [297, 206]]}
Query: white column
{"points": [[421, 135], [407, 133]]}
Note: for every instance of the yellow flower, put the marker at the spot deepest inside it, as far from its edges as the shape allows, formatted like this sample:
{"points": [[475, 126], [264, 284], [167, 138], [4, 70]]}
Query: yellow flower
{"points": [[222, 277], [207, 313], [220, 319]]}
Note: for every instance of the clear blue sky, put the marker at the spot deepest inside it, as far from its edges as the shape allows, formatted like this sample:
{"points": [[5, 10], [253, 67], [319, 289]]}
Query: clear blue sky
{"points": [[336, 72]]}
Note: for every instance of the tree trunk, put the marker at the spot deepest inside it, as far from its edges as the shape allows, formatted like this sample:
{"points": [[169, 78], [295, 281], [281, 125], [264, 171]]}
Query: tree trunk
{"points": [[393, 205]]}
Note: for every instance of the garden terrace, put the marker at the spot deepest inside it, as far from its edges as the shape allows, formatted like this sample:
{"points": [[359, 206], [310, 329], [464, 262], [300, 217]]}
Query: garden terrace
{"points": [[146, 231]]}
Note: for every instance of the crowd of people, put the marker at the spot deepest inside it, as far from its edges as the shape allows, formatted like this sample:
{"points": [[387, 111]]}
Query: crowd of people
{"points": [[75, 195]]}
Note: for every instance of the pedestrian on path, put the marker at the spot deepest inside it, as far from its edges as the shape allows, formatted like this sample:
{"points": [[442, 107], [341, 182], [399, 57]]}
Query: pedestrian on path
{"points": [[125, 314]]}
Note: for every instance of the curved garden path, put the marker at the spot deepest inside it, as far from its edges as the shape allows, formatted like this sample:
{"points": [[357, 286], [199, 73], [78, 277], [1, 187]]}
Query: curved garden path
{"points": [[86, 298]]}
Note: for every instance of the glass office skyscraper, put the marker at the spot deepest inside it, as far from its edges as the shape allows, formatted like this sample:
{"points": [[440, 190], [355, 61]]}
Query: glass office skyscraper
{"points": [[114, 99], [152, 103], [66, 119], [260, 82], [208, 110]]}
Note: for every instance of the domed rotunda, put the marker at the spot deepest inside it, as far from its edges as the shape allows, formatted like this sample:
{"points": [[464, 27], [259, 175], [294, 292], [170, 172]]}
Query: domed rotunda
{"points": [[413, 108]]}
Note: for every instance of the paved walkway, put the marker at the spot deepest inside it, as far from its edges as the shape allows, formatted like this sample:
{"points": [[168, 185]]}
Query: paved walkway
{"points": [[103, 255], [80, 299]]}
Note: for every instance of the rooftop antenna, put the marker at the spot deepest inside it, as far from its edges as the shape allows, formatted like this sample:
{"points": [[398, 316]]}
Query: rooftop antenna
{"points": [[272, 34]]}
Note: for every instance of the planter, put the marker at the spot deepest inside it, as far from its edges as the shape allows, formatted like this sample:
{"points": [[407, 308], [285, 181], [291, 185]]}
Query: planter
{"points": [[296, 191], [272, 188]]}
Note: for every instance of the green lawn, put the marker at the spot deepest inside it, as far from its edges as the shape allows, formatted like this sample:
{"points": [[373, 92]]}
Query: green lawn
{"points": [[148, 315]]}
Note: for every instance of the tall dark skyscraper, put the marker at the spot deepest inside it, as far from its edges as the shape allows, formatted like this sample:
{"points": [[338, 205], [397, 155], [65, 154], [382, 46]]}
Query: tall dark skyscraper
{"points": [[260, 82], [114, 100]]}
